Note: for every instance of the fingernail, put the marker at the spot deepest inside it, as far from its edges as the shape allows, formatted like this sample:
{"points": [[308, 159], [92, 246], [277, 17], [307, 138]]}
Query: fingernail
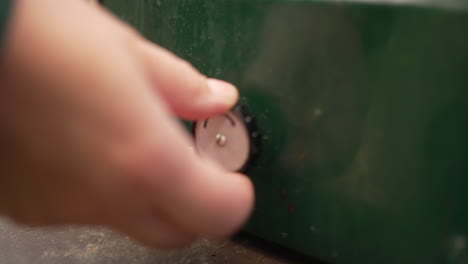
{"points": [[223, 91]]}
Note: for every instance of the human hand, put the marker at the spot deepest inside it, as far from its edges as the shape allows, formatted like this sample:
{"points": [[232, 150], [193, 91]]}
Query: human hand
{"points": [[88, 133]]}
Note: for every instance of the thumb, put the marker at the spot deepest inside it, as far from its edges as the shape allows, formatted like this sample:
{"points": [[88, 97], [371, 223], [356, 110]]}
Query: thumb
{"points": [[187, 92]]}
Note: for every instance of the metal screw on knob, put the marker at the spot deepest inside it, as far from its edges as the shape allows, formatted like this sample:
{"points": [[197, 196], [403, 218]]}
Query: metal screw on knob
{"points": [[221, 139], [226, 139]]}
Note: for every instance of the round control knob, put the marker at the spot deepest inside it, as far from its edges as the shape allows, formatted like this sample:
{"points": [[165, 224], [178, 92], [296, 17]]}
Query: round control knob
{"points": [[230, 139]]}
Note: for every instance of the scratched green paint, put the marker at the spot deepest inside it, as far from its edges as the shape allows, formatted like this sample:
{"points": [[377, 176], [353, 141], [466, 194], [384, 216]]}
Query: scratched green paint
{"points": [[363, 111]]}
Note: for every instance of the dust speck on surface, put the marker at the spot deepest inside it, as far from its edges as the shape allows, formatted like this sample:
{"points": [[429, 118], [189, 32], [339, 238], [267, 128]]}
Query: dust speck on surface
{"points": [[318, 112]]}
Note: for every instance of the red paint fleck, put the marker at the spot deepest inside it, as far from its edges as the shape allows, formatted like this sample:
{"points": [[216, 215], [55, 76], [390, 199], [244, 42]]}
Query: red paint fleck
{"points": [[283, 194], [291, 209], [302, 157]]}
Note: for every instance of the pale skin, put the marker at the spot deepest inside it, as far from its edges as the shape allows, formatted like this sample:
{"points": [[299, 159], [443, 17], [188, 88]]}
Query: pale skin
{"points": [[89, 135]]}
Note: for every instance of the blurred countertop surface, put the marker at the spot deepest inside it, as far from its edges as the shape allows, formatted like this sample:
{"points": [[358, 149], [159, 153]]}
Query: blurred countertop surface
{"points": [[91, 245]]}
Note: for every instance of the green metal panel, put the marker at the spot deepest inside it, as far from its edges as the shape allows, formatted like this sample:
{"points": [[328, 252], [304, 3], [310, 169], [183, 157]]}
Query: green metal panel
{"points": [[5, 8], [362, 108]]}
